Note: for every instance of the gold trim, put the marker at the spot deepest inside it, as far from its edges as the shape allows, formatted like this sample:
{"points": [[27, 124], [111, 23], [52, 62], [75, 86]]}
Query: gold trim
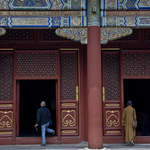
{"points": [[69, 49], [110, 49], [77, 93], [68, 105], [6, 133], [6, 112], [112, 105], [71, 122], [113, 132], [103, 94], [112, 118], [6, 120], [6, 105], [68, 131], [6, 49]]}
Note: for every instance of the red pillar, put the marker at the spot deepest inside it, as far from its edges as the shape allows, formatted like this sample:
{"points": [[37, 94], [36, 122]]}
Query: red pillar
{"points": [[95, 138]]}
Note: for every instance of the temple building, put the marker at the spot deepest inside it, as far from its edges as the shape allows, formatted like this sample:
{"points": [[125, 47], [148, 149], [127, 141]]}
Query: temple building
{"points": [[85, 58]]}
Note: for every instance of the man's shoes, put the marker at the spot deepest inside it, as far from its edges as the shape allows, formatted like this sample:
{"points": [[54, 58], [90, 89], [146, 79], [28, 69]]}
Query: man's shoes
{"points": [[43, 144]]}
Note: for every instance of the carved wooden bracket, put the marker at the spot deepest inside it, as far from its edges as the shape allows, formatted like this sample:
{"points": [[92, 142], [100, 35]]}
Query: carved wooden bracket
{"points": [[2, 31], [80, 34]]}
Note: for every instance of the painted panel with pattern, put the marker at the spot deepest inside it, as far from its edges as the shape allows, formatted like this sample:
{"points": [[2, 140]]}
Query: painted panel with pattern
{"points": [[6, 119], [6, 77], [36, 64], [111, 94], [69, 94], [136, 64], [111, 68], [43, 4], [125, 4], [68, 76]]}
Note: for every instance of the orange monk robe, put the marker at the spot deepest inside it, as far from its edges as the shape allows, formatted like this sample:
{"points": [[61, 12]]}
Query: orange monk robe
{"points": [[129, 114]]}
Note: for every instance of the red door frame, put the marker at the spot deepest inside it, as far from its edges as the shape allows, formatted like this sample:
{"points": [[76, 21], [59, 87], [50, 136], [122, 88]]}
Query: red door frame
{"points": [[31, 140], [139, 139], [50, 140], [81, 73], [35, 140], [120, 139]]}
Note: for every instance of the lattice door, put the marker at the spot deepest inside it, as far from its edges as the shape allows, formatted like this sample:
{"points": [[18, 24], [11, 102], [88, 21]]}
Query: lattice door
{"points": [[136, 64], [6, 94], [111, 93], [69, 94], [6, 77], [36, 64]]}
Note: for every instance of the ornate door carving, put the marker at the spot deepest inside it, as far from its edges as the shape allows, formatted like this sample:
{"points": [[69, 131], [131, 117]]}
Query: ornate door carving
{"points": [[69, 94], [111, 93], [6, 95]]}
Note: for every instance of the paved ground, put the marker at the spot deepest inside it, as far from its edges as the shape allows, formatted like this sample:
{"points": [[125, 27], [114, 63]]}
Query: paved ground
{"points": [[81, 146]]}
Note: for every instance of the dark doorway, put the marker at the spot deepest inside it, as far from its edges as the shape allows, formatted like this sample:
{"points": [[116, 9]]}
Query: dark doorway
{"points": [[32, 92], [138, 90]]}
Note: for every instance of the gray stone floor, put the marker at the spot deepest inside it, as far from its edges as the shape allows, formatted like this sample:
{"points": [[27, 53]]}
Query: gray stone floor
{"points": [[81, 146]]}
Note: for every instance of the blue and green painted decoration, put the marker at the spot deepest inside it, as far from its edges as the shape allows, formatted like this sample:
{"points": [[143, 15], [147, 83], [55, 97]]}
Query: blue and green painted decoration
{"points": [[69, 20], [125, 4], [45, 4]]}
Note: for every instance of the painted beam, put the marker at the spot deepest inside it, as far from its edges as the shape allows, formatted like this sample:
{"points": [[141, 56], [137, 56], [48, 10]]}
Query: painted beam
{"points": [[42, 4], [41, 13], [127, 13], [125, 5], [42, 22], [71, 21], [80, 34], [73, 4], [125, 21]]}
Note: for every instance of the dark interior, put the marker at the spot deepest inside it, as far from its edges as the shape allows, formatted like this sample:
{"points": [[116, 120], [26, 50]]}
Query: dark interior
{"points": [[32, 92], [138, 90]]}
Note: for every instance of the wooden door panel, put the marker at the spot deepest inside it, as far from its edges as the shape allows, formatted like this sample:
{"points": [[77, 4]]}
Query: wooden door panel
{"points": [[6, 120], [69, 94], [112, 120], [111, 93], [69, 119], [6, 77], [6, 95]]}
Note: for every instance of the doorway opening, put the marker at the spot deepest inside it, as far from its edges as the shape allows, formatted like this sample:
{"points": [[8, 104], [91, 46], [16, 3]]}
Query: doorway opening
{"points": [[137, 90], [32, 92]]}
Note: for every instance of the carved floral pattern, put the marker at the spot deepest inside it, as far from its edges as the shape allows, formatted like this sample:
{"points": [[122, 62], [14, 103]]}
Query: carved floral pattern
{"points": [[112, 118], [68, 118], [6, 119]]}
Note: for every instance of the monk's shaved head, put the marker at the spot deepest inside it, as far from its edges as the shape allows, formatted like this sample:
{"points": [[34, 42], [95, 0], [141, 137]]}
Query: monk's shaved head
{"points": [[129, 103]]}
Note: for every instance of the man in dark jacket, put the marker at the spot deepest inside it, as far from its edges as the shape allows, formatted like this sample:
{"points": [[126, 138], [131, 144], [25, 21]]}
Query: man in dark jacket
{"points": [[44, 120]]}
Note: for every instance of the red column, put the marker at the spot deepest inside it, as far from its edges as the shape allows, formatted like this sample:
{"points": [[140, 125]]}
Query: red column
{"points": [[95, 139]]}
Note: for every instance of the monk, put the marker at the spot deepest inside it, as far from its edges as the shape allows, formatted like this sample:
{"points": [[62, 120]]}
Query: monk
{"points": [[129, 114]]}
